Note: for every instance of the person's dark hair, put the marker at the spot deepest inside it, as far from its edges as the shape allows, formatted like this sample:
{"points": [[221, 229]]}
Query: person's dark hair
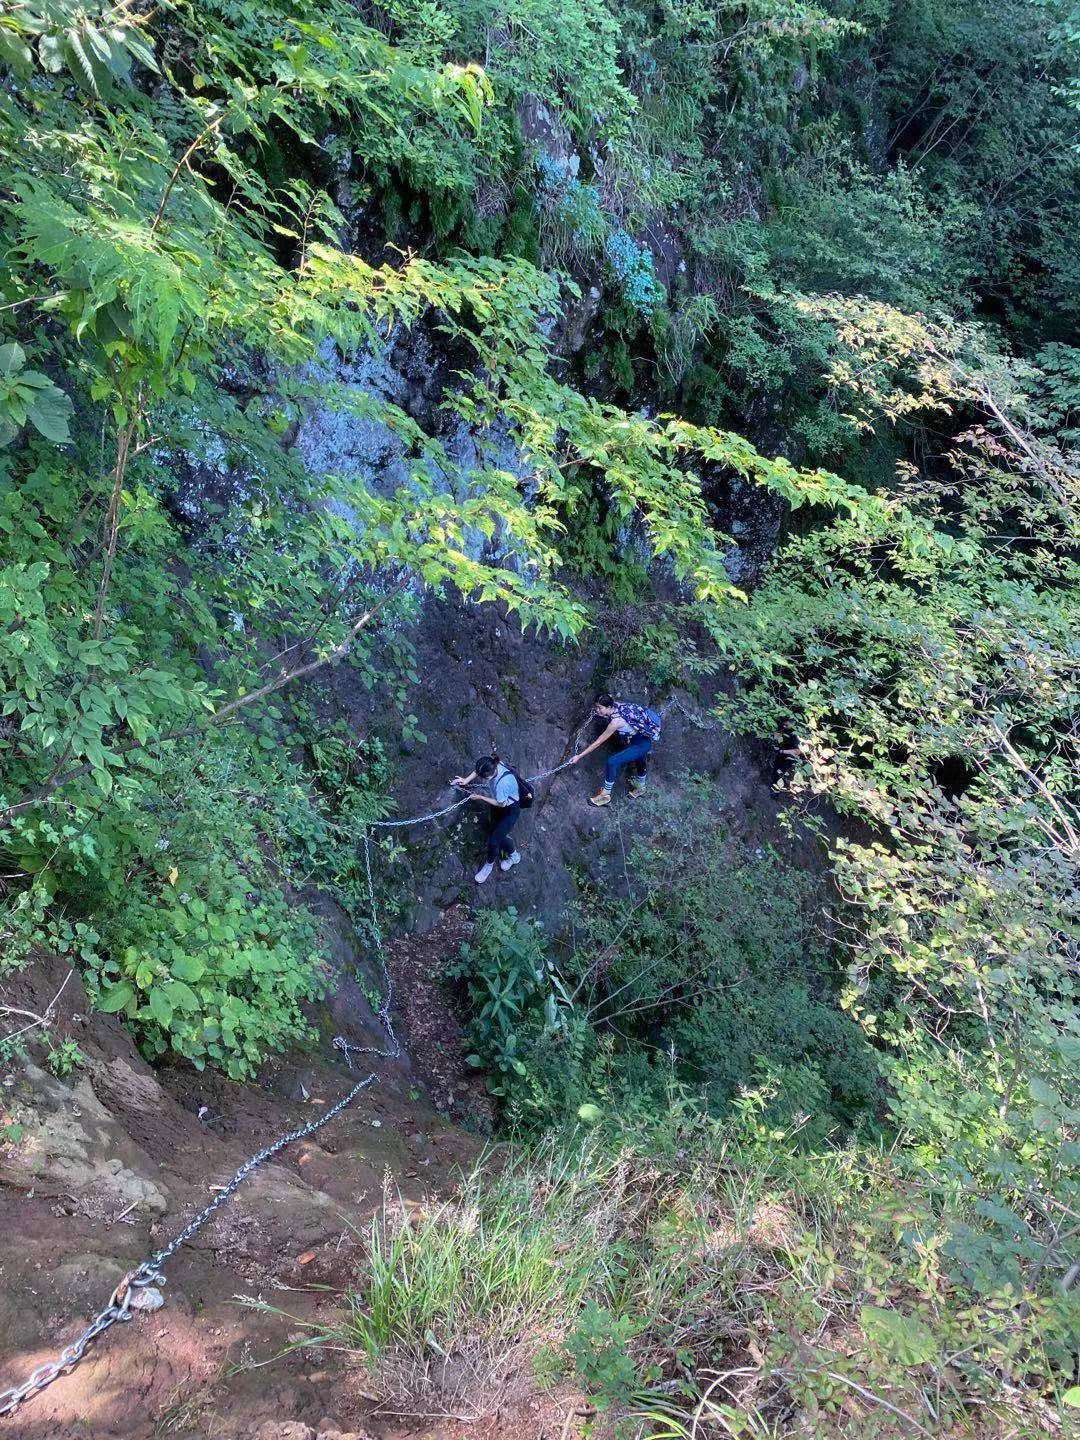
{"points": [[485, 767], [605, 700]]}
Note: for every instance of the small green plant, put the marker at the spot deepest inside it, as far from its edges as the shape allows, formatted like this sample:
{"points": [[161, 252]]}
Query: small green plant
{"points": [[62, 1059], [599, 1347], [515, 996], [599, 547], [373, 995]]}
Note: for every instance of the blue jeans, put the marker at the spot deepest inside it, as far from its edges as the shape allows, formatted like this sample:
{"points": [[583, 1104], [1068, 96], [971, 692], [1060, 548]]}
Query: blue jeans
{"points": [[637, 750], [499, 842]]}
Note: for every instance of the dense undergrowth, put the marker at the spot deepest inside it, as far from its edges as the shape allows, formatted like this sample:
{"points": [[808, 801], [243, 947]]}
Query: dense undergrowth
{"points": [[700, 1277], [709, 965], [690, 265]]}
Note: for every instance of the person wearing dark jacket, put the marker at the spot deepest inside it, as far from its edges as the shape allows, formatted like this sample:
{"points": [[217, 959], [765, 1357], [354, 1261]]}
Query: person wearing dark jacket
{"points": [[501, 793], [637, 727]]}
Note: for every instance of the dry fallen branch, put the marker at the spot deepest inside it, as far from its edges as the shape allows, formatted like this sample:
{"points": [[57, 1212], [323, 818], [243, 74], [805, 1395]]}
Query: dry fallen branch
{"points": [[35, 1021]]}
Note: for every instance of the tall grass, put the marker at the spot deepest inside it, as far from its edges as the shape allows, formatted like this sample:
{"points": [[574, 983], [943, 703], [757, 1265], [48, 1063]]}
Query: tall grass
{"points": [[495, 1257], [757, 1292], [456, 1302]]}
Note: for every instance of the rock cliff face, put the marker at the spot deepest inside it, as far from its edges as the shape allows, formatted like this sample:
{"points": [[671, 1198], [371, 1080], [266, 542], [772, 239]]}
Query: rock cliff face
{"points": [[485, 685]]}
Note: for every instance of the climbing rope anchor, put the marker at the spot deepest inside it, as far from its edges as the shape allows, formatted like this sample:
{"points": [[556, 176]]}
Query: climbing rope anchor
{"points": [[118, 1308]]}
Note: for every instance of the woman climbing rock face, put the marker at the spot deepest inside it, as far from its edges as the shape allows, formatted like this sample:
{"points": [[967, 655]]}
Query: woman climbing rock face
{"points": [[638, 727], [503, 794]]}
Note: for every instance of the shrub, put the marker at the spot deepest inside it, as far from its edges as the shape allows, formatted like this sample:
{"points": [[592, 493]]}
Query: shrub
{"points": [[195, 944], [631, 267], [515, 1000], [720, 965], [216, 976], [572, 220], [598, 1346]]}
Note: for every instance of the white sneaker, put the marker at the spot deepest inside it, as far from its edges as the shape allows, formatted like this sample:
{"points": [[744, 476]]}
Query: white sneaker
{"points": [[510, 861], [484, 871]]}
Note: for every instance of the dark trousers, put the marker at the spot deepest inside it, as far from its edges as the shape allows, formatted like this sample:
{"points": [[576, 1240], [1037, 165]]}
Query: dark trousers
{"points": [[635, 754], [499, 841]]}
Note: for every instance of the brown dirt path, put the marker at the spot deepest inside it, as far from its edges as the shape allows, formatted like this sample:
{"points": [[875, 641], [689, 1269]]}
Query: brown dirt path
{"points": [[115, 1159]]}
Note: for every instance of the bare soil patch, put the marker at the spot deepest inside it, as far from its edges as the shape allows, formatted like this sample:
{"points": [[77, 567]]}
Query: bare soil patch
{"points": [[207, 1364]]}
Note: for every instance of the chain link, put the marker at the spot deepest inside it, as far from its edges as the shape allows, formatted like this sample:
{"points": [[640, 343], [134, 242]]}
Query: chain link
{"points": [[148, 1273], [69, 1357]]}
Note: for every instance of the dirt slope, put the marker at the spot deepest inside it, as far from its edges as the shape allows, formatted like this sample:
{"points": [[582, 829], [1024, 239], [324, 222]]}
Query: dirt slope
{"points": [[116, 1157], [114, 1161]]}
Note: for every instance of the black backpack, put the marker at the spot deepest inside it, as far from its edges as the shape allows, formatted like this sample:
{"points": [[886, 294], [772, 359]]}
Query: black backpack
{"points": [[525, 791]]}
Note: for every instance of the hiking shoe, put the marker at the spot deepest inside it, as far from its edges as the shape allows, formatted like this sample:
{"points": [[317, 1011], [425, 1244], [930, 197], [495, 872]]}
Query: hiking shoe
{"points": [[602, 797], [510, 861], [636, 787], [484, 871]]}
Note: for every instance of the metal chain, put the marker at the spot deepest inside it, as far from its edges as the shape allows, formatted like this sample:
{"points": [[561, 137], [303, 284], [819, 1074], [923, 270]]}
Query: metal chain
{"points": [[695, 720], [118, 1308], [418, 819], [547, 774], [69, 1357], [457, 804], [448, 810], [119, 1304]]}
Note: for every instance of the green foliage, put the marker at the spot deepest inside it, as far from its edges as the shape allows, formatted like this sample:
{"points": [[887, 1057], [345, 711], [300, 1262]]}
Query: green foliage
{"points": [[678, 333], [64, 1058], [598, 1346], [925, 686], [1056, 386], [1015, 1168], [26, 396], [706, 970], [481, 1263], [94, 46], [564, 55], [598, 547], [572, 223], [316, 809], [191, 200], [712, 959], [127, 641], [838, 226], [515, 999], [970, 87], [211, 975]]}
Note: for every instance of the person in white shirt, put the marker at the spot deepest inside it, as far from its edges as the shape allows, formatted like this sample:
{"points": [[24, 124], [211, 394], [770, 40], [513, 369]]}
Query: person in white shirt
{"points": [[502, 794]]}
